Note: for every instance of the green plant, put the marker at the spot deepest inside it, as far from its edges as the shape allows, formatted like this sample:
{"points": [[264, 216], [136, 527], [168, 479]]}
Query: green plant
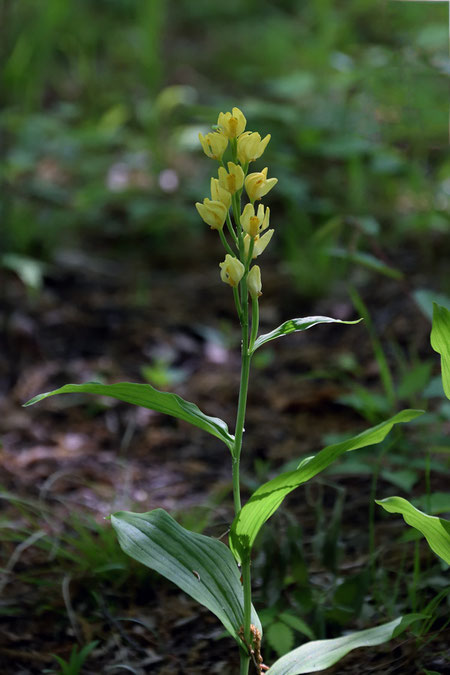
{"points": [[204, 567], [76, 660], [435, 530]]}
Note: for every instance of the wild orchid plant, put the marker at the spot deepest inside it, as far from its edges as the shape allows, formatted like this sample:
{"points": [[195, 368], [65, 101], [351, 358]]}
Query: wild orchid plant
{"points": [[217, 575]]}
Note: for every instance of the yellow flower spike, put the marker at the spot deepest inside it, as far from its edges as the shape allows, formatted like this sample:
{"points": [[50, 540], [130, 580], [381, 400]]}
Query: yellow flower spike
{"points": [[260, 243], [257, 184], [250, 146], [231, 270], [213, 212], [214, 144], [232, 180], [253, 223], [254, 284], [219, 194], [232, 124]]}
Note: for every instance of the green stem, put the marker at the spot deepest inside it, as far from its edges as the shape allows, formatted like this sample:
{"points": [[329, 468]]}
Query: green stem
{"points": [[226, 244], [246, 580], [243, 389], [250, 255], [237, 302], [255, 323], [240, 420], [245, 371], [231, 230], [245, 661]]}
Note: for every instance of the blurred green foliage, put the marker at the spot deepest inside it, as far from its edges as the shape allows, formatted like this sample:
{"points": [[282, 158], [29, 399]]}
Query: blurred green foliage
{"points": [[102, 101]]}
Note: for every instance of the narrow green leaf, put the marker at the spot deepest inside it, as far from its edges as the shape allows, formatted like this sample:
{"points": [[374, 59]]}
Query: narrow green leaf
{"points": [[321, 654], [295, 325], [201, 566], [268, 497], [440, 341], [367, 260], [147, 396], [435, 530]]}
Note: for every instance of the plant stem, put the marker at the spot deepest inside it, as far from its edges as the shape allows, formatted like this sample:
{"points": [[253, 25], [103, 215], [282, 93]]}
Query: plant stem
{"points": [[226, 245], [236, 484], [246, 580], [231, 230], [245, 661], [243, 389], [255, 323]]}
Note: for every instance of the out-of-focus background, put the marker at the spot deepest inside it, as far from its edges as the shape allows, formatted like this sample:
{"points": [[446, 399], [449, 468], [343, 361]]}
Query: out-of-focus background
{"points": [[108, 273]]}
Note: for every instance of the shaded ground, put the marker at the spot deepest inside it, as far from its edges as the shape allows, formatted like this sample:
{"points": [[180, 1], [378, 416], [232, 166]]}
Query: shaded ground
{"points": [[69, 456]]}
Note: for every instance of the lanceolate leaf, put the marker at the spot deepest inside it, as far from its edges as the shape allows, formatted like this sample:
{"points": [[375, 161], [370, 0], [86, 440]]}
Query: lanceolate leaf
{"points": [[295, 325], [440, 341], [321, 654], [435, 530], [201, 566], [268, 497], [146, 396]]}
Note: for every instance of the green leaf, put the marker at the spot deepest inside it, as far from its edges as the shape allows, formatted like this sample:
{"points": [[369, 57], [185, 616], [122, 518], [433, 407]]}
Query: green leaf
{"points": [[440, 341], [280, 637], [201, 566], [367, 260], [147, 396], [297, 624], [320, 654], [268, 497], [295, 325], [435, 530]]}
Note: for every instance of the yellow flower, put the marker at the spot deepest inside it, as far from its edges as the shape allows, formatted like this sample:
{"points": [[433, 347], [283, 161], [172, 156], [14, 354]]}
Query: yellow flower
{"points": [[250, 146], [219, 194], [233, 180], [232, 123], [254, 282], [213, 213], [260, 243], [253, 223], [257, 184], [214, 144], [231, 270]]}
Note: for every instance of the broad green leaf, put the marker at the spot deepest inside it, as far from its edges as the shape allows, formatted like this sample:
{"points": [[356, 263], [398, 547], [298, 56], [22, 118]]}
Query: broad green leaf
{"points": [[201, 566], [321, 654], [440, 341], [297, 624], [267, 498], [147, 396], [280, 637], [435, 530], [295, 325]]}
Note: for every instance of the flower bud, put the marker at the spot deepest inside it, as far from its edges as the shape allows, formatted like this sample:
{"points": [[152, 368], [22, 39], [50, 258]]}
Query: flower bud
{"points": [[219, 194], [250, 146], [232, 180], [260, 243], [232, 124], [257, 184], [254, 282], [214, 144], [232, 270], [213, 213], [253, 223]]}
